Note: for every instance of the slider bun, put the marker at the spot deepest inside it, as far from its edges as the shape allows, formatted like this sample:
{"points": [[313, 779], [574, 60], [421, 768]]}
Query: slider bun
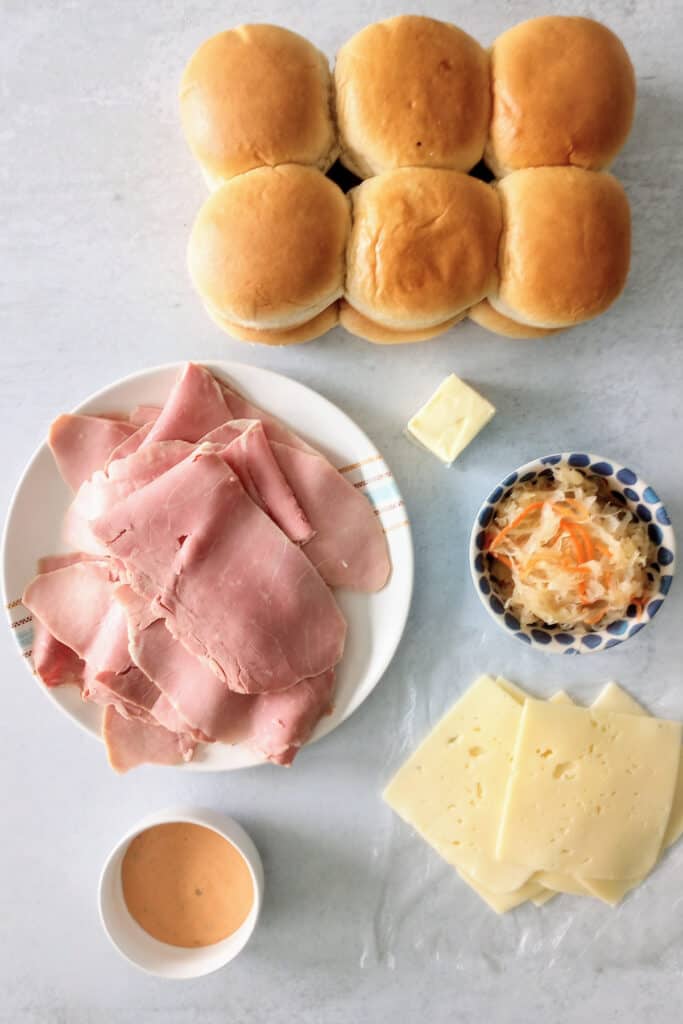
{"points": [[355, 323], [320, 324], [411, 91], [565, 247], [486, 316], [422, 248], [563, 94], [267, 248], [257, 95]]}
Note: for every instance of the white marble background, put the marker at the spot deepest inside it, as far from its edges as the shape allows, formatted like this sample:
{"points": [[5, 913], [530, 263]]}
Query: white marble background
{"points": [[361, 923]]}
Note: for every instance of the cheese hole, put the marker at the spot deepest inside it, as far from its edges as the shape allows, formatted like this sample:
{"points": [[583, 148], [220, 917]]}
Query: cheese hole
{"points": [[455, 842], [475, 751], [453, 739], [546, 753], [564, 770], [480, 791]]}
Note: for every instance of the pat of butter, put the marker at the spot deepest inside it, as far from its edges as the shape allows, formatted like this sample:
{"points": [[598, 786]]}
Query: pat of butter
{"points": [[452, 418]]}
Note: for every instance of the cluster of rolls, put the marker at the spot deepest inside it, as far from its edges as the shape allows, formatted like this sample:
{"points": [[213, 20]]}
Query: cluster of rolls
{"points": [[280, 254]]}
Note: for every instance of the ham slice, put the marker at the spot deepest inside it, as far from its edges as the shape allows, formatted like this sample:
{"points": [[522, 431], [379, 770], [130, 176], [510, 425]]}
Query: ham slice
{"points": [[143, 414], [131, 742], [107, 487], [82, 444], [130, 445], [76, 605], [275, 724], [194, 407], [282, 722], [348, 546], [54, 662], [242, 409], [248, 453], [231, 587]]}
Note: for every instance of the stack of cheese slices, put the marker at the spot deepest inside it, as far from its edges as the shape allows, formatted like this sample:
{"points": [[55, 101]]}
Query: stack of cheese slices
{"points": [[527, 798], [279, 254]]}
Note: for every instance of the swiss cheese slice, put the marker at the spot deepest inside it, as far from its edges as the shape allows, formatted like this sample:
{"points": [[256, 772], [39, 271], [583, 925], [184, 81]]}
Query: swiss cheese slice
{"points": [[501, 902], [451, 790], [613, 698], [590, 792]]}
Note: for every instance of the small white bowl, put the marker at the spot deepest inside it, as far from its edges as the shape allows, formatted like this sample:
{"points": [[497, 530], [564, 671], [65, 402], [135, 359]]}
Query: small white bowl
{"points": [[148, 953]]}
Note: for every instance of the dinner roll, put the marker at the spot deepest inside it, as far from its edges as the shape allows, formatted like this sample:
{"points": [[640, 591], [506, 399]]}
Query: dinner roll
{"points": [[486, 316], [565, 247], [267, 248], [411, 92], [257, 95], [355, 323], [563, 93], [319, 325], [422, 248]]}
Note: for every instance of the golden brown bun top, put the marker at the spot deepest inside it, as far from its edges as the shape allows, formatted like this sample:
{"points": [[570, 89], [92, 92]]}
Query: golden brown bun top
{"points": [[257, 95], [423, 246], [412, 92], [565, 247], [267, 248], [486, 316], [563, 94]]}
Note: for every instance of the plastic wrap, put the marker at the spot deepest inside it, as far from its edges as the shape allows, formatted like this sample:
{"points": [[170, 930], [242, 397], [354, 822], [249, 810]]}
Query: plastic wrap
{"points": [[423, 911]]}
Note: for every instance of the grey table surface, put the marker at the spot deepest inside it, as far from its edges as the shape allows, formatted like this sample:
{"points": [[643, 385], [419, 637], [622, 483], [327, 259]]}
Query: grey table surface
{"points": [[361, 922]]}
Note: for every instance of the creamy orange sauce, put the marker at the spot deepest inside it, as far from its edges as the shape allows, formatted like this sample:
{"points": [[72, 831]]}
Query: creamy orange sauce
{"points": [[186, 885]]}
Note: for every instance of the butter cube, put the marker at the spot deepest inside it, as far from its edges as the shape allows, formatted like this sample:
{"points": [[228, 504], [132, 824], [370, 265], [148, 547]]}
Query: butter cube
{"points": [[452, 418]]}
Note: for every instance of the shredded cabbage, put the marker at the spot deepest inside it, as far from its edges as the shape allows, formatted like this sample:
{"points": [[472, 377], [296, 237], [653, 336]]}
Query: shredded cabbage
{"points": [[564, 553]]}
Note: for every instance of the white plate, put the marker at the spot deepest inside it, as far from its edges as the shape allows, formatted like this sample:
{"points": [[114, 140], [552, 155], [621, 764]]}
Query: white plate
{"points": [[376, 621]]}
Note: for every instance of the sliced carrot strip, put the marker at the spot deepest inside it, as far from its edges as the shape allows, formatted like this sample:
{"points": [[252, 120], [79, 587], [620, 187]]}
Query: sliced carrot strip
{"points": [[515, 522], [587, 542], [571, 529], [574, 504]]}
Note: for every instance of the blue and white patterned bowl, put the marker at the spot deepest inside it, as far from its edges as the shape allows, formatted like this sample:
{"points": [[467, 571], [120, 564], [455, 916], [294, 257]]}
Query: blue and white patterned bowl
{"points": [[628, 490]]}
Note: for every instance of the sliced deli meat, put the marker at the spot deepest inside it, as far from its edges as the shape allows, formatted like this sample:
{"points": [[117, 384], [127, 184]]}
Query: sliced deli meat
{"points": [[348, 546], [197, 607], [275, 724], [131, 742], [194, 407], [282, 722], [230, 585], [76, 607], [82, 444], [249, 454], [54, 662]]}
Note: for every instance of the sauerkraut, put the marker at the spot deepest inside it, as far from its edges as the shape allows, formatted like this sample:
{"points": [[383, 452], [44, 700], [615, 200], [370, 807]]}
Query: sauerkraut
{"points": [[565, 553]]}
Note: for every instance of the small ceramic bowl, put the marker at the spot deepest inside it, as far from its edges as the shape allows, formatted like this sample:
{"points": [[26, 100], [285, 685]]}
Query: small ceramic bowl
{"points": [[156, 957], [628, 490]]}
